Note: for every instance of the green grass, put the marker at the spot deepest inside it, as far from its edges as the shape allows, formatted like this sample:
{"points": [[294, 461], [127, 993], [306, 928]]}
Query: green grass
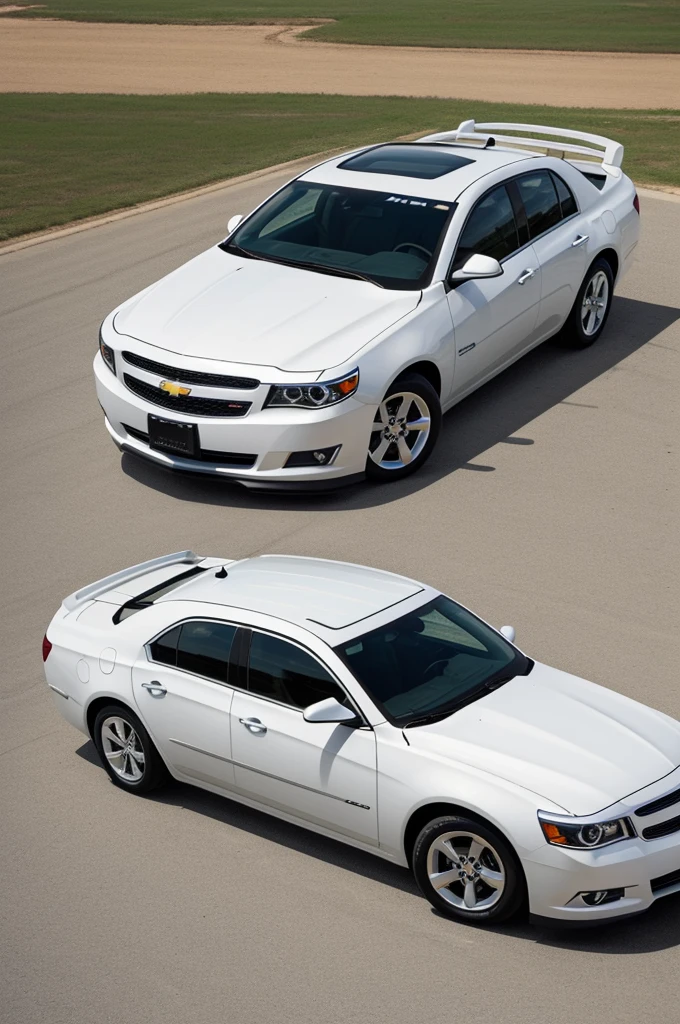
{"points": [[639, 25], [67, 157]]}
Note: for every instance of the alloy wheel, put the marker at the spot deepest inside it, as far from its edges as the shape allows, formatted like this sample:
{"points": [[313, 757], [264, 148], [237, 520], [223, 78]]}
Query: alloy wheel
{"points": [[123, 749], [594, 305], [400, 430], [466, 871]]}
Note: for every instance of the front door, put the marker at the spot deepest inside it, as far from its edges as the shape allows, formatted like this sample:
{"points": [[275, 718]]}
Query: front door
{"points": [[493, 318], [181, 687], [324, 773]]}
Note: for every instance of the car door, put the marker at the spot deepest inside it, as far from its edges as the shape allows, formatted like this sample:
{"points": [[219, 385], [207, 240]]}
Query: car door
{"points": [[493, 318], [559, 235], [322, 772], [181, 685]]}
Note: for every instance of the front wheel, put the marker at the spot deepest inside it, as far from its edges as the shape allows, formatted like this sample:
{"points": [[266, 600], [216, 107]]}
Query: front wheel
{"points": [[405, 430], [591, 308], [468, 871]]}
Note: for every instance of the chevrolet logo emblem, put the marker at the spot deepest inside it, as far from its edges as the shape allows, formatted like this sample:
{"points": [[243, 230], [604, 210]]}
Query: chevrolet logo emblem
{"points": [[174, 389]]}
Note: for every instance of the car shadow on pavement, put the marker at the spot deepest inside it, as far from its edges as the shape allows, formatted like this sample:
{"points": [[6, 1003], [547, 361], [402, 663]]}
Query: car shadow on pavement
{"points": [[655, 930], [544, 378]]}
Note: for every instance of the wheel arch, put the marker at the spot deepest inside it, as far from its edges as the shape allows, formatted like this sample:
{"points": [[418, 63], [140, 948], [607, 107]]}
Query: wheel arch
{"points": [[425, 368], [96, 705], [428, 812], [612, 258]]}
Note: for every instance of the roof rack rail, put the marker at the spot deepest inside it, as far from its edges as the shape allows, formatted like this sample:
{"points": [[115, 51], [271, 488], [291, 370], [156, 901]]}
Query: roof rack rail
{"points": [[609, 153], [110, 582]]}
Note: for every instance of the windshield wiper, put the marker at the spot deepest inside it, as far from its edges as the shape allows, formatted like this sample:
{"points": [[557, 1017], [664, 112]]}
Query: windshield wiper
{"points": [[479, 691], [321, 268]]}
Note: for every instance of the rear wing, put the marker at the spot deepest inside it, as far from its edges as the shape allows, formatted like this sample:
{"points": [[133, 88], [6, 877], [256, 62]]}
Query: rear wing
{"points": [[89, 593], [608, 152]]}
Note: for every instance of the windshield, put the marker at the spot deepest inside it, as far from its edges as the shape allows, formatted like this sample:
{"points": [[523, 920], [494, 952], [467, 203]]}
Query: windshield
{"points": [[389, 239], [431, 661]]}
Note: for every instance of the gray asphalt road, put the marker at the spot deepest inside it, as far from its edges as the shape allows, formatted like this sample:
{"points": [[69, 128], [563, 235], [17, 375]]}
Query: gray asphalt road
{"points": [[551, 504]]}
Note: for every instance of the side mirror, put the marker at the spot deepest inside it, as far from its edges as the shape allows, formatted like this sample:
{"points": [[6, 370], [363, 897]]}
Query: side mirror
{"points": [[329, 710], [234, 222], [508, 632], [477, 266]]}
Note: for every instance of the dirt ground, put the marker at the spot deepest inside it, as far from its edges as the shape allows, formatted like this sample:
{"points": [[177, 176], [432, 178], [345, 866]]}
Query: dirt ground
{"points": [[60, 56]]}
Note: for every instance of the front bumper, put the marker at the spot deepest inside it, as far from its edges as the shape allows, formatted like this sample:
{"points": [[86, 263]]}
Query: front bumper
{"points": [[265, 436], [645, 870]]}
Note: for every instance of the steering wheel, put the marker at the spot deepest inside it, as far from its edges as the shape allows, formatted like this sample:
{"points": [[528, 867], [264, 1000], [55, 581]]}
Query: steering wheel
{"points": [[429, 672], [413, 245]]}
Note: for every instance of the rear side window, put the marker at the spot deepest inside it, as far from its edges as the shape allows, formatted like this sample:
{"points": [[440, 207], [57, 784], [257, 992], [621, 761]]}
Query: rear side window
{"points": [[204, 647], [540, 200], [164, 648], [491, 229], [285, 673], [564, 194]]}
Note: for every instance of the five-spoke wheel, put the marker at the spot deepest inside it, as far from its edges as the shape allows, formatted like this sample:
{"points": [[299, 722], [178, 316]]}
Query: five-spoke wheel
{"points": [[405, 429]]}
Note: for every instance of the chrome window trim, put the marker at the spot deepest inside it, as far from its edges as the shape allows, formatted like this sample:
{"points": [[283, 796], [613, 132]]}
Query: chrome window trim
{"points": [[186, 671]]}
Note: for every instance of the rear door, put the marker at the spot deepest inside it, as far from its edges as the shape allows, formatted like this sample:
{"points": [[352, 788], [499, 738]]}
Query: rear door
{"points": [[559, 235], [181, 686], [493, 318], [324, 773]]}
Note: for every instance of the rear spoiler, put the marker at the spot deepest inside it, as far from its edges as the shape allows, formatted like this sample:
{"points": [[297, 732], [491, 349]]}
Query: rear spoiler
{"points": [[609, 153], [73, 601]]}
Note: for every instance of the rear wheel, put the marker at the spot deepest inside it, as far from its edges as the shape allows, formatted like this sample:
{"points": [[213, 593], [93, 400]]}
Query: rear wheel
{"points": [[468, 871], [405, 430], [591, 308], [126, 750]]}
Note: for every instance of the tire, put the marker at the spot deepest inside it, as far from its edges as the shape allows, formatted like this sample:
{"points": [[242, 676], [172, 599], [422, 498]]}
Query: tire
{"points": [[586, 322], [469, 898], [385, 460], [141, 768]]}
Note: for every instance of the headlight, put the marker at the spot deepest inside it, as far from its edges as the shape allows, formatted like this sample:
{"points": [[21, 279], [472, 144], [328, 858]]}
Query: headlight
{"points": [[108, 355], [312, 396], [585, 835]]}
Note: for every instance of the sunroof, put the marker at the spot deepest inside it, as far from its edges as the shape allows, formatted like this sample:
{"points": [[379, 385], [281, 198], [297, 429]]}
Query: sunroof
{"points": [[406, 161]]}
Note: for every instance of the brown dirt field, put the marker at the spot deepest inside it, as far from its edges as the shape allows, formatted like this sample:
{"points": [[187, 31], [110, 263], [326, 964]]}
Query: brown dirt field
{"points": [[60, 56]]}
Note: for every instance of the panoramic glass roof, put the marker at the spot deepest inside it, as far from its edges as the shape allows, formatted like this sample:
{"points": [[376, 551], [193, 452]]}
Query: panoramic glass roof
{"points": [[408, 161]]}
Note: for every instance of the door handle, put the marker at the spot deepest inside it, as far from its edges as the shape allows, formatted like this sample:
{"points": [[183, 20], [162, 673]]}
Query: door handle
{"points": [[155, 689], [579, 240], [254, 725], [526, 276]]}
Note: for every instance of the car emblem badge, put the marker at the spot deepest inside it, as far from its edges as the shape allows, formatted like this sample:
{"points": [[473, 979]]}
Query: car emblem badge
{"points": [[174, 389]]}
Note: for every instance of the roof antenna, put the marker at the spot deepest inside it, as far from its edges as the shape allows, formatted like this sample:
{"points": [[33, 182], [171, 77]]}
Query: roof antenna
{"points": [[222, 574], [490, 142]]}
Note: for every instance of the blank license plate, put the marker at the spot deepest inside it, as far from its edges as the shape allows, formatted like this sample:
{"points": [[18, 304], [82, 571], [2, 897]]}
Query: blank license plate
{"points": [[173, 438]]}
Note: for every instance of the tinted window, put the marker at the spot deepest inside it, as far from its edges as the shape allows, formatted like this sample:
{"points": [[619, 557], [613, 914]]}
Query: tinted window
{"points": [[164, 648], [431, 661], [285, 673], [540, 202], [415, 161], [491, 229], [567, 201], [204, 648]]}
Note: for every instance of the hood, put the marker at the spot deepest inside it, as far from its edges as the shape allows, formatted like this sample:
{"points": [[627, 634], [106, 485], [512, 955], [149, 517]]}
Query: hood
{"points": [[218, 306], [577, 744]]}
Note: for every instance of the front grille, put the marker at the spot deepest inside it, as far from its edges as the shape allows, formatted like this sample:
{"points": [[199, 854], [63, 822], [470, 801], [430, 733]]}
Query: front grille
{"points": [[241, 459], [210, 380], [664, 828], [665, 881], [659, 805], [189, 404]]}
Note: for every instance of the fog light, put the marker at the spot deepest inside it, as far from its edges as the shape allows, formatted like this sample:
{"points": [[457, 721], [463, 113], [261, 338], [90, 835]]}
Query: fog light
{"points": [[315, 457], [596, 899]]}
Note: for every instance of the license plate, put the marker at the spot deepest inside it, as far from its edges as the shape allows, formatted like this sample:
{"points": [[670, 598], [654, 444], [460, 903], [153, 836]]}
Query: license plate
{"points": [[173, 438]]}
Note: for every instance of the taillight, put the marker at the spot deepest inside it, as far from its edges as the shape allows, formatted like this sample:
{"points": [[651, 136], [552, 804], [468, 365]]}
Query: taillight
{"points": [[47, 647], [636, 202]]}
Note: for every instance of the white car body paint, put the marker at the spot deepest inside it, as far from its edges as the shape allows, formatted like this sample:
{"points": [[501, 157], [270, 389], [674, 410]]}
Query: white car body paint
{"points": [[547, 741], [228, 315]]}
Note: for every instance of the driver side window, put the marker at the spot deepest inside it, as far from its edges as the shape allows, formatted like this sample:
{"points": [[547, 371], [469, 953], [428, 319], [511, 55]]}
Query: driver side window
{"points": [[287, 674], [491, 229]]}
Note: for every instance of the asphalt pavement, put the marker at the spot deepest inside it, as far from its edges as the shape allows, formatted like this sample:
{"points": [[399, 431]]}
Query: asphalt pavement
{"points": [[551, 504]]}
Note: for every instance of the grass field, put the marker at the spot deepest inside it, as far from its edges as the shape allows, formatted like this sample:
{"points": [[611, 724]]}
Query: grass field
{"points": [[67, 157], [651, 26]]}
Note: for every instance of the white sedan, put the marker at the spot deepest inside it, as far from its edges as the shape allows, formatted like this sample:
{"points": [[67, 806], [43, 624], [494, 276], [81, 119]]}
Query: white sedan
{"points": [[324, 338], [375, 710]]}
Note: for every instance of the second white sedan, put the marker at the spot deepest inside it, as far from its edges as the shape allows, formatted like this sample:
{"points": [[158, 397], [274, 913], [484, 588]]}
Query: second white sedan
{"points": [[376, 710], [322, 340]]}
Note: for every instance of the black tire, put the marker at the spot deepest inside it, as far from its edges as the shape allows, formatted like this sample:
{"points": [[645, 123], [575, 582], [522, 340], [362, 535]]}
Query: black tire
{"points": [[153, 770], [497, 859], [416, 385], [573, 332]]}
